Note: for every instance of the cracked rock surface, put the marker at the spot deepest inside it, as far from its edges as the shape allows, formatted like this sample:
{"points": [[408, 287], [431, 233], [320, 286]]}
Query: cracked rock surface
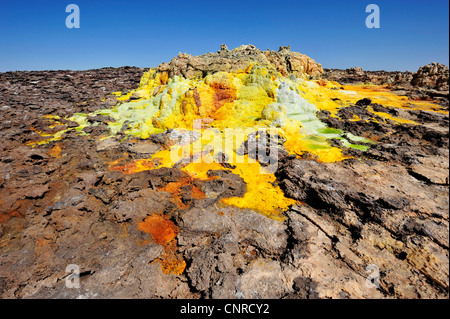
{"points": [[385, 211]]}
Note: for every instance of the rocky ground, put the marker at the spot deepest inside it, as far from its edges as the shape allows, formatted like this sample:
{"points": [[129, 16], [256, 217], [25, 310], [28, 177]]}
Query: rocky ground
{"points": [[429, 83], [386, 211]]}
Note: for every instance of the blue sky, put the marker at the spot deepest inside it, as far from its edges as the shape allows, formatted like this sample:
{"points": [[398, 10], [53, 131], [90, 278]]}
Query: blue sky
{"points": [[145, 33]]}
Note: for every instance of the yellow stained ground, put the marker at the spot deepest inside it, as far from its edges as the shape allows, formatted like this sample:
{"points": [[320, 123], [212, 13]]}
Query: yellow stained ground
{"points": [[244, 101]]}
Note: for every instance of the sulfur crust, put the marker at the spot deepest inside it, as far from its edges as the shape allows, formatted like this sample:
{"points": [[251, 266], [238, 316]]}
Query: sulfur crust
{"points": [[252, 98]]}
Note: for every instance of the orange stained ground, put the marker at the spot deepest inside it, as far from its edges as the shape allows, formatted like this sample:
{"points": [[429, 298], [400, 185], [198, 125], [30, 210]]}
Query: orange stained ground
{"points": [[164, 232], [5, 216], [174, 188], [133, 167], [171, 261], [55, 151]]}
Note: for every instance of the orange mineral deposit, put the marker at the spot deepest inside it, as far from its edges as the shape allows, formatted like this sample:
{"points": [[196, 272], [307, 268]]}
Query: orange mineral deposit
{"points": [[162, 230]]}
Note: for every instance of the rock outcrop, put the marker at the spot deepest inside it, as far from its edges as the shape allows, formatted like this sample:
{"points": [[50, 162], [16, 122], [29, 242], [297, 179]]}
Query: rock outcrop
{"points": [[432, 76], [284, 61]]}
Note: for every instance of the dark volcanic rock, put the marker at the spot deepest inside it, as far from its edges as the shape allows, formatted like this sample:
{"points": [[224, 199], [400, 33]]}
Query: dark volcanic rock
{"points": [[352, 197]]}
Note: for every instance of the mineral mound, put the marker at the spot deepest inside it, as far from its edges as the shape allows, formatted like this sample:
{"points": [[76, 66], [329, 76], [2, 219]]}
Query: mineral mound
{"points": [[333, 184]]}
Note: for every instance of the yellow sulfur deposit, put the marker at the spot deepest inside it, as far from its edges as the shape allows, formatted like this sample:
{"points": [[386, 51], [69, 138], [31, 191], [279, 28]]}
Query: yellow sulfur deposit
{"points": [[204, 112], [262, 194]]}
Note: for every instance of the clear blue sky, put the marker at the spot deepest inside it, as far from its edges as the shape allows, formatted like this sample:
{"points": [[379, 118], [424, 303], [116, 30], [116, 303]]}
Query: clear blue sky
{"points": [[145, 33]]}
